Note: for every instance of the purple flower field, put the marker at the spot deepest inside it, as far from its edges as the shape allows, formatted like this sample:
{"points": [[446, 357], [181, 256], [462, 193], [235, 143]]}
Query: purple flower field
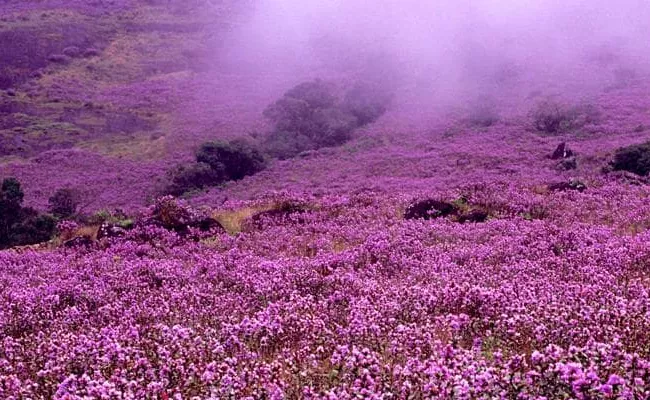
{"points": [[318, 277]]}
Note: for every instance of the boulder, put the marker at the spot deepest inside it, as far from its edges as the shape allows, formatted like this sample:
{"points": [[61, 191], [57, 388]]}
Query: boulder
{"points": [[72, 51], [80, 241], [59, 59], [107, 230], [562, 151], [474, 215], [429, 209], [564, 186], [567, 164], [207, 224]]}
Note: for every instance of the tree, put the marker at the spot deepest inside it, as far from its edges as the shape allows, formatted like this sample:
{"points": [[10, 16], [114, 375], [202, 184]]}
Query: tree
{"points": [[11, 199], [64, 202], [233, 160]]}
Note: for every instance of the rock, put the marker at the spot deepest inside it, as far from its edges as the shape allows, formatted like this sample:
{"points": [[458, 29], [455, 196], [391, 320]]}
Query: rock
{"points": [[59, 59], [567, 164], [91, 52], [80, 241], [72, 51], [564, 186], [207, 224], [429, 209], [11, 92], [107, 230], [562, 151], [474, 215]]}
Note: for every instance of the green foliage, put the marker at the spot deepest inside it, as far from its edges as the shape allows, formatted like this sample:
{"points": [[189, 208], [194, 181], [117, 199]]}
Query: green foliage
{"points": [[11, 198], [286, 144], [64, 202], [195, 176], [553, 118], [232, 160], [11, 192], [310, 116], [33, 228], [21, 226], [635, 159]]}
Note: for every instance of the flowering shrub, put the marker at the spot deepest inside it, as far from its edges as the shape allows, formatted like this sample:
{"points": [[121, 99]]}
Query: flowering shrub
{"points": [[348, 302]]}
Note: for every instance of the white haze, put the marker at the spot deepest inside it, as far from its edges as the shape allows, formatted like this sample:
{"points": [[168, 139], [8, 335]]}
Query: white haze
{"points": [[445, 47]]}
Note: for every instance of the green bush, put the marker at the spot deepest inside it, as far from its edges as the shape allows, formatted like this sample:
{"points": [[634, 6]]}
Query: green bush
{"points": [[64, 202], [233, 160], [310, 116], [194, 176], [286, 144], [635, 159], [33, 228], [21, 226], [552, 118]]}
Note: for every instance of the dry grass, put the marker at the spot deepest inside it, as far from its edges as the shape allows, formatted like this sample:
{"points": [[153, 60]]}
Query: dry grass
{"points": [[233, 220], [87, 231]]}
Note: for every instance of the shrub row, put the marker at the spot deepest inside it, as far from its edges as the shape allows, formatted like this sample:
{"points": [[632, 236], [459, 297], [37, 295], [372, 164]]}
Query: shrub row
{"points": [[307, 117]]}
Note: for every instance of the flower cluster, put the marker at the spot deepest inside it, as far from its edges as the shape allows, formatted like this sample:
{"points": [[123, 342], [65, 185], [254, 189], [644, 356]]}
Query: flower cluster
{"points": [[349, 300]]}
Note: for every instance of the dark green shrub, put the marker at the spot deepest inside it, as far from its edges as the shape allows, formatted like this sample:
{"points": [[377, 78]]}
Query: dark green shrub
{"points": [[317, 94], [483, 113], [635, 159], [233, 160], [552, 118], [11, 192], [21, 226], [334, 126], [284, 144], [310, 116], [296, 111], [33, 228], [291, 115], [11, 199], [195, 176], [64, 202]]}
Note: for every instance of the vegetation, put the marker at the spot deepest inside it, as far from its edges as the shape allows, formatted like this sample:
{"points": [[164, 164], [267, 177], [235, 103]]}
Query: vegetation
{"points": [[232, 160], [553, 118], [64, 202], [195, 176], [20, 225], [216, 162], [635, 159], [310, 116]]}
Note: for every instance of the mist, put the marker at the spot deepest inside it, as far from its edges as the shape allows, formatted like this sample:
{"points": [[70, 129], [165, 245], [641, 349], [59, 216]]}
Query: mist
{"points": [[446, 51]]}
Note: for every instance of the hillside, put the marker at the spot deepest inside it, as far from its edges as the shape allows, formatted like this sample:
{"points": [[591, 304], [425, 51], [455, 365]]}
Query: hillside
{"points": [[482, 241]]}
